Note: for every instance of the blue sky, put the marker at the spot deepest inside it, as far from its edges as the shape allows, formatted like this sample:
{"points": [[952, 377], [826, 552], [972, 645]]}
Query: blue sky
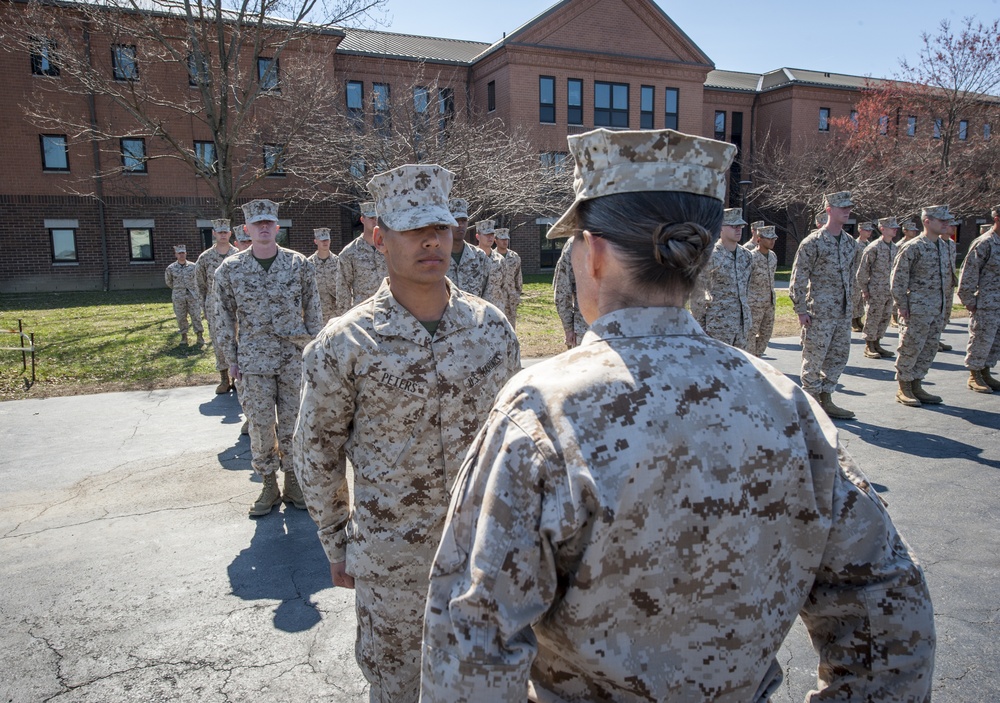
{"points": [[859, 37]]}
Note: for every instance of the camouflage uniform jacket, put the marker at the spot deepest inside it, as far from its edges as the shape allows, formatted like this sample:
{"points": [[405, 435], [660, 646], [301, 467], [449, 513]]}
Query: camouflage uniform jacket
{"points": [[277, 312], [605, 540], [361, 268], [326, 274], [564, 293], [822, 275], [404, 407], [760, 293], [720, 296], [979, 285], [513, 279], [495, 286], [208, 262], [472, 274], [922, 275], [181, 280], [875, 268]]}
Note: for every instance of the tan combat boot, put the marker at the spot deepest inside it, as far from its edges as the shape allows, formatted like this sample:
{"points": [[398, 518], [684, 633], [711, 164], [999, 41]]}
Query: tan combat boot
{"points": [[944, 347], [200, 339], [923, 396], [977, 383], [224, 384], [269, 497], [246, 427], [831, 409], [184, 339], [905, 395], [293, 491], [990, 381], [856, 324], [871, 351], [883, 352]]}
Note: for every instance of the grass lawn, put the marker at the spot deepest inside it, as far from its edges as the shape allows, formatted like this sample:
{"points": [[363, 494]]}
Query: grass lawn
{"points": [[128, 340]]}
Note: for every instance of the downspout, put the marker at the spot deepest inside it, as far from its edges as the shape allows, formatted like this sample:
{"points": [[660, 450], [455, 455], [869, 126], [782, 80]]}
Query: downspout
{"points": [[98, 179]]}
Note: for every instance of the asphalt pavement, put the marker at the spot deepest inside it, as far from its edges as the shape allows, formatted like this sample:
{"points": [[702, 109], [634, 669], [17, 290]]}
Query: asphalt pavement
{"points": [[130, 571]]}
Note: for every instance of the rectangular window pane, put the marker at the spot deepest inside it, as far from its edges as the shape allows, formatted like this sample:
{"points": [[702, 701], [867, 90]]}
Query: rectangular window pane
{"points": [[134, 155], [911, 126], [205, 151], [672, 105], [824, 119], [446, 108], [380, 97], [355, 95], [54, 152], [937, 127], [602, 96], [63, 244], [43, 59], [267, 73], [646, 101], [610, 104], [272, 159], [546, 99], [123, 63], [421, 98], [357, 166], [574, 101], [491, 96], [883, 124], [619, 97], [140, 244], [720, 125], [963, 130], [986, 131]]}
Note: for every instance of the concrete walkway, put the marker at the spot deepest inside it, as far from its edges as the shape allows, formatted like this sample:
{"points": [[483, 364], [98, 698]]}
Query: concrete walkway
{"points": [[131, 572]]}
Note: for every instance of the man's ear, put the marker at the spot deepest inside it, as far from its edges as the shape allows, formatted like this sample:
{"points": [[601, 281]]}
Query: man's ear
{"points": [[378, 239]]}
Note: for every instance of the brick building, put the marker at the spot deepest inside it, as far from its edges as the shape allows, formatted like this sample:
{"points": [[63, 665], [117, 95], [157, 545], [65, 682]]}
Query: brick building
{"points": [[580, 64]]}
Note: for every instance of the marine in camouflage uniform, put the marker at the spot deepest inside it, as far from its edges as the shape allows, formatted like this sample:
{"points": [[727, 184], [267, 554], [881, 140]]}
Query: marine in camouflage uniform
{"points": [[564, 294], [760, 291], [268, 311], [513, 280], [403, 398], [360, 267], [602, 543], [873, 284], [857, 301], [327, 268], [755, 228], [950, 238], [820, 289], [979, 291], [208, 262], [920, 284], [469, 268], [181, 279], [485, 237], [720, 302]]}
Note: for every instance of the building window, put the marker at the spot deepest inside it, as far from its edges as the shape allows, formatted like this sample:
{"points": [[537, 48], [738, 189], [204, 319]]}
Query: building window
{"points": [[611, 105], [205, 153], [646, 107], [133, 155], [380, 103], [491, 96], [547, 99], [421, 99], [854, 119], [140, 243], [720, 125], [274, 159], [554, 161], [911, 126], [963, 130], [574, 101], [55, 154], [446, 107], [986, 131], [123, 62], [357, 167], [824, 119], [268, 74], [284, 234], [938, 124], [63, 242], [43, 58], [355, 95], [883, 124], [672, 105]]}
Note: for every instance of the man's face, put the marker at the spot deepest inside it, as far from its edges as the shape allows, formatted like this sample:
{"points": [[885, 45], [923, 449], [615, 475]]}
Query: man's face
{"points": [[485, 241], [502, 245], [417, 255], [221, 236], [730, 233], [935, 226], [889, 233], [458, 231], [323, 247], [182, 256], [838, 216], [864, 235], [368, 223], [765, 244], [263, 232], [242, 245]]}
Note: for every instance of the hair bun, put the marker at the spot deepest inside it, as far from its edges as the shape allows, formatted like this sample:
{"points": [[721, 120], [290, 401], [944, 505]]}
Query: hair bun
{"points": [[681, 246]]}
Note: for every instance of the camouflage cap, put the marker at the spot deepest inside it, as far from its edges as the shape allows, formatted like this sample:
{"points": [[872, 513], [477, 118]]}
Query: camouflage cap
{"points": [[260, 210], [632, 161], [180, 249], [983, 229], [938, 212], [888, 223], [910, 226], [995, 211], [485, 226], [822, 218], [733, 217], [501, 233], [321, 234], [413, 196], [221, 225], [955, 222], [767, 232], [459, 207], [866, 226], [839, 199], [241, 234], [756, 225], [368, 209]]}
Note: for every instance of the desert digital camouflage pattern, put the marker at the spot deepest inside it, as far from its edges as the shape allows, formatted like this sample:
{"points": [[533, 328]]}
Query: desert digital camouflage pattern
{"points": [[513, 282], [564, 294], [327, 275], [404, 407], [472, 272], [920, 284], [607, 542], [720, 300], [182, 281], [857, 301], [361, 268], [205, 268], [762, 300], [953, 281], [979, 288], [841, 198], [260, 210], [413, 196], [495, 279], [873, 281]]}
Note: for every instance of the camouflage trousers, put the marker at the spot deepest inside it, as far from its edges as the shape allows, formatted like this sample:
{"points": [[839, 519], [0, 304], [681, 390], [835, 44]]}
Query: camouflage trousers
{"points": [[857, 303], [510, 310], [729, 330], [390, 629], [877, 320], [187, 305], [211, 318], [950, 296], [826, 344], [984, 339], [271, 404], [327, 304], [761, 328], [918, 343]]}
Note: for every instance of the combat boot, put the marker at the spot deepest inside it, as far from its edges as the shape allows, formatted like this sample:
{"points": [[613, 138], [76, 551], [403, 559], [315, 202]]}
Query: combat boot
{"points": [[871, 351], [200, 339], [269, 497], [923, 396], [905, 394], [293, 491], [944, 347], [990, 381], [245, 430], [856, 324], [224, 384], [883, 352], [831, 409], [184, 339], [977, 383]]}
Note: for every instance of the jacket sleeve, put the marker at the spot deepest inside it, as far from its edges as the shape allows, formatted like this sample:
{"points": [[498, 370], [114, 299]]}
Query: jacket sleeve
{"points": [[968, 283], [798, 284], [312, 313], [201, 274], [865, 269], [562, 291], [345, 296], [899, 282], [168, 277], [225, 309]]}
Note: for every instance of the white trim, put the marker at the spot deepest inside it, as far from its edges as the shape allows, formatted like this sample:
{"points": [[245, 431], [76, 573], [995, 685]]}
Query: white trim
{"points": [[138, 224], [62, 224], [285, 223], [203, 224], [545, 220]]}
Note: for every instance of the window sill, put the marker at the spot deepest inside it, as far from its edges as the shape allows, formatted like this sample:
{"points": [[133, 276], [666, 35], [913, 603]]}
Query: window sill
{"points": [[55, 170], [65, 263], [143, 262], [126, 172]]}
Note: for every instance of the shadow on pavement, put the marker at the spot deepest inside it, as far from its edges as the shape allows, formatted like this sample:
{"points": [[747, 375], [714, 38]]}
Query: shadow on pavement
{"points": [[237, 456], [225, 406], [284, 562], [921, 444]]}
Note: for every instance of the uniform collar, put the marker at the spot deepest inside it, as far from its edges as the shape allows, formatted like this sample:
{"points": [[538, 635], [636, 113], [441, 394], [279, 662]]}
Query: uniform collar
{"points": [[391, 319], [642, 322]]}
